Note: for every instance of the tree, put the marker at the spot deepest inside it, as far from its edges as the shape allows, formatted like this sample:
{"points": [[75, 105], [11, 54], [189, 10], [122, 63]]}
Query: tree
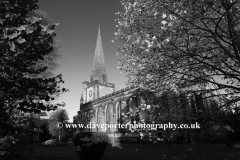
{"points": [[182, 45], [24, 40], [159, 107], [50, 60], [44, 134], [23, 124], [60, 115]]}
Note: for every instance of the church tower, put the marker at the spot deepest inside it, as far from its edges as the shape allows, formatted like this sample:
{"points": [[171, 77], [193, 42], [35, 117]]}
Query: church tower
{"points": [[98, 85]]}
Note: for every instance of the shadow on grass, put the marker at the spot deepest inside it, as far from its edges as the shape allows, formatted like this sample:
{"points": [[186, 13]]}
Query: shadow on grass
{"points": [[200, 151], [143, 152]]}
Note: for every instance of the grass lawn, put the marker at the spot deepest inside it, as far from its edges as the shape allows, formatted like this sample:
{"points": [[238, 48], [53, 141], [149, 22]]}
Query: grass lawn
{"points": [[143, 152]]}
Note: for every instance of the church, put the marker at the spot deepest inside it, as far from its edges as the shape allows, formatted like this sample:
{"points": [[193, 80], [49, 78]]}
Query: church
{"points": [[100, 103]]}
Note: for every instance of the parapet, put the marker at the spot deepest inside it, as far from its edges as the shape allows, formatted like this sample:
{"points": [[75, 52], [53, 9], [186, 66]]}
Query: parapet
{"points": [[111, 85]]}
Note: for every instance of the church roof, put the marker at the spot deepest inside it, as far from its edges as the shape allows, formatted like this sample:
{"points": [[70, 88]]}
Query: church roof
{"points": [[99, 70]]}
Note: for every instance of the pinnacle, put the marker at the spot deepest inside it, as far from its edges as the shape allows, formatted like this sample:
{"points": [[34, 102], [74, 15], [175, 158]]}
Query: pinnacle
{"points": [[81, 98], [99, 71]]}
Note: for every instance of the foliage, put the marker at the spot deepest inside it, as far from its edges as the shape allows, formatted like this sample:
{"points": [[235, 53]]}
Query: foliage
{"points": [[20, 122], [233, 120], [25, 40], [100, 137], [162, 107], [86, 143], [44, 135], [60, 115], [87, 138], [19, 134], [159, 107], [182, 45], [6, 142], [49, 60]]}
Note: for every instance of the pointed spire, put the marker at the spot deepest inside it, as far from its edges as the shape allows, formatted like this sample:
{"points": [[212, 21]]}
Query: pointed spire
{"points": [[81, 100], [99, 71]]}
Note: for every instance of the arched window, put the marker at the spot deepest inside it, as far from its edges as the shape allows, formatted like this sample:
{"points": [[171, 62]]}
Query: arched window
{"points": [[106, 115], [110, 114], [100, 115], [96, 116]]}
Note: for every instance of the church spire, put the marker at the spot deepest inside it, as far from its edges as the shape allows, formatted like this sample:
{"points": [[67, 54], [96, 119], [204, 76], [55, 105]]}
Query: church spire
{"points": [[99, 71]]}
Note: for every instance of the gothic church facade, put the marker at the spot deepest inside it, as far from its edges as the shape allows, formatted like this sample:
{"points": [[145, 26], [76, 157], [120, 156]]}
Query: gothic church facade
{"points": [[100, 103]]}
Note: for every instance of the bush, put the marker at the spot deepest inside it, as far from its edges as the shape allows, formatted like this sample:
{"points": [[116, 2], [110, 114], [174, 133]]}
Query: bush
{"points": [[65, 138], [44, 136], [15, 145], [88, 143]]}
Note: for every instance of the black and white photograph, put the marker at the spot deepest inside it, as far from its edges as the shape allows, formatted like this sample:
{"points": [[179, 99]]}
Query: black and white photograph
{"points": [[119, 79]]}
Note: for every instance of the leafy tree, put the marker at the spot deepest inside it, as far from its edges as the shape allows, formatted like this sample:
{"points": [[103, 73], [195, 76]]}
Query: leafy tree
{"points": [[60, 115], [24, 40], [178, 108], [21, 123], [50, 60], [182, 45], [159, 107]]}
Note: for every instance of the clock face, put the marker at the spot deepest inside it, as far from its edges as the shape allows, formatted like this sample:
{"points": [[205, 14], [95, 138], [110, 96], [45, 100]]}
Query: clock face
{"points": [[90, 94]]}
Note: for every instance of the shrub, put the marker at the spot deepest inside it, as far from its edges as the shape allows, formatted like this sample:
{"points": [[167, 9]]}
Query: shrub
{"points": [[15, 145], [88, 143], [100, 137], [65, 139], [44, 136]]}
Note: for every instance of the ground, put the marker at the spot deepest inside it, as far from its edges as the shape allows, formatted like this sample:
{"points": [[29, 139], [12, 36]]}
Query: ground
{"points": [[144, 152]]}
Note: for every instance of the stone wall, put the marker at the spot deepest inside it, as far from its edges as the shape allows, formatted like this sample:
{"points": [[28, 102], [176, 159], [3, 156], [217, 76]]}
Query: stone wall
{"points": [[85, 84], [104, 90], [90, 98], [112, 108]]}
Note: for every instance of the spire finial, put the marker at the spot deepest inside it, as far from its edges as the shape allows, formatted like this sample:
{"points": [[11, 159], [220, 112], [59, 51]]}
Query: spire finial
{"points": [[99, 25], [81, 98]]}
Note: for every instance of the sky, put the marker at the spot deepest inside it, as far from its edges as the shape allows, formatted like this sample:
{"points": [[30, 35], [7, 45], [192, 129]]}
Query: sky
{"points": [[77, 35]]}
